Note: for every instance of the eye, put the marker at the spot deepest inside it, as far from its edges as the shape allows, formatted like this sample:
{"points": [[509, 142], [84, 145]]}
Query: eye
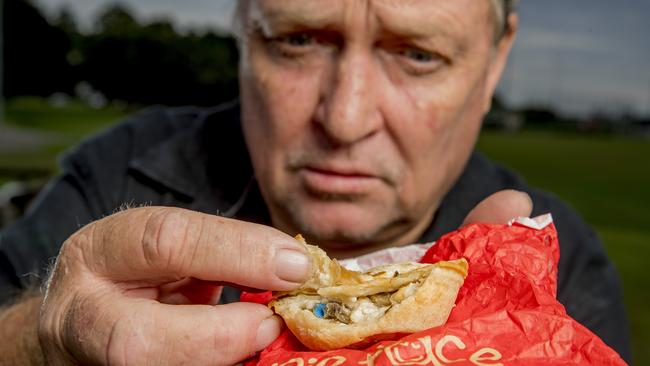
{"points": [[417, 55], [293, 45], [418, 62], [296, 39]]}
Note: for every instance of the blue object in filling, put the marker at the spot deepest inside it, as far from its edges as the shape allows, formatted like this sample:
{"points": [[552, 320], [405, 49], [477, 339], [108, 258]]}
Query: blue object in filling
{"points": [[319, 310]]}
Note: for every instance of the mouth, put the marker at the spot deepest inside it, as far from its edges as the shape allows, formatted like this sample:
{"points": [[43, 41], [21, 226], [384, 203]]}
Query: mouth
{"points": [[337, 181]]}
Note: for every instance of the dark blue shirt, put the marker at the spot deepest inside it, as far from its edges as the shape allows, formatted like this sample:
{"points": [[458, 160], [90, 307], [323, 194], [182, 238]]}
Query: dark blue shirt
{"points": [[196, 159]]}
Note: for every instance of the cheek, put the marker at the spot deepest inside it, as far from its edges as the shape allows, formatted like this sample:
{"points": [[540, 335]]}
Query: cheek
{"points": [[280, 100], [435, 128]]}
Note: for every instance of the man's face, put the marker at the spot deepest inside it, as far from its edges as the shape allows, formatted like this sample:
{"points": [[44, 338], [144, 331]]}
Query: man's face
{"points": [[360, 114]]}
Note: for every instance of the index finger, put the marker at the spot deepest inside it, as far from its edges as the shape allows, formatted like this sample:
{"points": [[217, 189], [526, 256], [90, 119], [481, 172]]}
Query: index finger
{"points": [[161, 243]]}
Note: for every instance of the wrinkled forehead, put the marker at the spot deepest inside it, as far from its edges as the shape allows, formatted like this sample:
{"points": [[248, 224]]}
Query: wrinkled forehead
{"points": [[405, 17]]}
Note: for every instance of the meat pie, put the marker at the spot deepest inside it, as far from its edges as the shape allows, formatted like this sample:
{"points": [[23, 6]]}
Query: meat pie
{"points": [[339, 308]]}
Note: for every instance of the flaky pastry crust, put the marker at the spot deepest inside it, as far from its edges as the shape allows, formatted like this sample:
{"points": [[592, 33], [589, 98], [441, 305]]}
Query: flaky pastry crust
{"points": [[339, 308]]}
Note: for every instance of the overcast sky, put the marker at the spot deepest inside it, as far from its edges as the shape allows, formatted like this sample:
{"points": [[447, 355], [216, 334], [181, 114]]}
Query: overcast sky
{"points": [[577, 55]]}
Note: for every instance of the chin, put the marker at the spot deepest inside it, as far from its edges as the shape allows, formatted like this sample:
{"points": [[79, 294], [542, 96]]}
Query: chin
{"points": [[339, 225]]}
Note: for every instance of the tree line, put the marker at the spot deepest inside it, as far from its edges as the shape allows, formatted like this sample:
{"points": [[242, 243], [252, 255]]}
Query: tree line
{"points": [[123, 58]]}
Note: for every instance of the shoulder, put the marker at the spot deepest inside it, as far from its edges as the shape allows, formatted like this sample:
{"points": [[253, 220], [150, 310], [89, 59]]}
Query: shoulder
{"points": [[135, 134], [140, 134], [144, 156]]}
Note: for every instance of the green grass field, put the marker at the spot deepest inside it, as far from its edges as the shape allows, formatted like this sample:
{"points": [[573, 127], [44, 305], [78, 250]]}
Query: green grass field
{"points": [[604, 178]]}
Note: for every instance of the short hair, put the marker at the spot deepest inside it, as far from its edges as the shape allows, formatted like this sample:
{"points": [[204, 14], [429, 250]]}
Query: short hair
{"points": [[502, 9]]}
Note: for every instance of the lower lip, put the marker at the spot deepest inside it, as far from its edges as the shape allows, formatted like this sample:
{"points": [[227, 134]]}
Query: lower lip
{"points": [[332, 183]]}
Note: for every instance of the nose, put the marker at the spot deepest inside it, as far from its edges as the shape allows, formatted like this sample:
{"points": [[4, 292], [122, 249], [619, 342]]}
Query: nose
{"points": [[349, 106]]}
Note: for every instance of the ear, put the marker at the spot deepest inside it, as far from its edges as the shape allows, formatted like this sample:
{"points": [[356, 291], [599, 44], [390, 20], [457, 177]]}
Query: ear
{"points": [[500, 59]]}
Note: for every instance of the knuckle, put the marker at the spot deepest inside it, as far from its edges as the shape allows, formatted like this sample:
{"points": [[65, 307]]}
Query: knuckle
{"points": [[261, 253], [165, 239], [245, 257], [237, 251]]}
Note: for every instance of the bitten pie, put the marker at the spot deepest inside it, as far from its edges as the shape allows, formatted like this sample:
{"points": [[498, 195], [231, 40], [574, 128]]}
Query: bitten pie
{"points": [[339, 308]]}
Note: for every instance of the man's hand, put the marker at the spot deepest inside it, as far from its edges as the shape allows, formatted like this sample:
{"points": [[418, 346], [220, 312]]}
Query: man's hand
{"points": [[110, 294], [501, 207]]}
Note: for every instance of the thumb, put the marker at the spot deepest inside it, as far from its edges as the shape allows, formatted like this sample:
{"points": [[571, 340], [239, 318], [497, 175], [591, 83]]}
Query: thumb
{"points": [[196, 334], [162, 244], [501, 207]]}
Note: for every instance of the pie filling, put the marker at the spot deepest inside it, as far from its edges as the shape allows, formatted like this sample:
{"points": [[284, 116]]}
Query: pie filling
{"points": [[355, 297], [359, 309]]}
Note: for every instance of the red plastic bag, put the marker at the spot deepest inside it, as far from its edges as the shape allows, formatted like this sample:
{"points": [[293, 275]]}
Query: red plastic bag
{"points": [[506, 312]]}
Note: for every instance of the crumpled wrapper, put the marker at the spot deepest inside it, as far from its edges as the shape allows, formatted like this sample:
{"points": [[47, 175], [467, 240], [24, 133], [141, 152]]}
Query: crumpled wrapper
{"points": [[506, 312]]}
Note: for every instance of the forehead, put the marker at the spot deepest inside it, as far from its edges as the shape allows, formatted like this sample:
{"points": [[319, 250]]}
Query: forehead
{"points": [[406, 17]]}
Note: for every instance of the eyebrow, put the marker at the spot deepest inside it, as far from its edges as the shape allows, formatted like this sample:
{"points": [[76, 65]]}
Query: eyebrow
{"points": [[411, 22], [296, 13], [428, 34]]}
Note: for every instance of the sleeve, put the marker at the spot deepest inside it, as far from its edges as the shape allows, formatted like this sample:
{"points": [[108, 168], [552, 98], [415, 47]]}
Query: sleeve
{"points": [[29, 246], [588, 284]]}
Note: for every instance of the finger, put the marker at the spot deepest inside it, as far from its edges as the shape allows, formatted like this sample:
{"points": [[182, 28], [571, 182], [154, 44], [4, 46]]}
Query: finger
{"points": [[145, 332], [201, 335], [501, 207], [155, 244]]}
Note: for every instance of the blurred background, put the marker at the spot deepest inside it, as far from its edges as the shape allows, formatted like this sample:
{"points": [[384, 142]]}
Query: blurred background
{"points": [[572, 113]]}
